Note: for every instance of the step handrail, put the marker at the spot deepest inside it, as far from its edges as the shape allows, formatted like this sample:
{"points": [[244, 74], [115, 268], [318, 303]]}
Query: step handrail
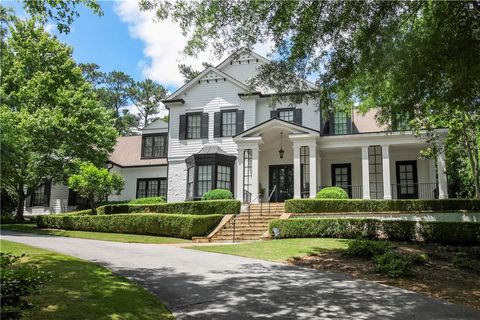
{"points": [[248, 208], [269, 197]]}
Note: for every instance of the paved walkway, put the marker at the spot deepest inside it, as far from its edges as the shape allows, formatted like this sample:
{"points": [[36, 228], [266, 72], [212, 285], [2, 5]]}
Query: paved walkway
{"points": [[201, 285]]}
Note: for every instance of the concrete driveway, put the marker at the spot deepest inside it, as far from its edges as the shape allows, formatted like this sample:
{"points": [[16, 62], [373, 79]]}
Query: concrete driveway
{"points": [[201, 285]]}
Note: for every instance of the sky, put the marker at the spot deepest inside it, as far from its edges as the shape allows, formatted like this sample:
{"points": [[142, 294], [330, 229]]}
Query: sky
{"points": [[129, 40]]}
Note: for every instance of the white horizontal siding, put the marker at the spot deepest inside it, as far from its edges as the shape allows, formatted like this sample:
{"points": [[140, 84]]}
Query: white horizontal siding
{"points": [[131, 175], [310, 115], [58, 202]]}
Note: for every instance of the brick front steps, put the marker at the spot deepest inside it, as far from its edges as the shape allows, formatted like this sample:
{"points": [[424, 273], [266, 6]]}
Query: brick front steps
{"points": [[246, 229]]}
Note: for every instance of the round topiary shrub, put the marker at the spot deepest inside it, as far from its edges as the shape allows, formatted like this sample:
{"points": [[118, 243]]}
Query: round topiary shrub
{"points": [[218, 194], [332, 193]]}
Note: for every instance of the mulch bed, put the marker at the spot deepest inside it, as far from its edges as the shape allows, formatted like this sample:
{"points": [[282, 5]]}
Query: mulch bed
{"points": [[438, 278]]}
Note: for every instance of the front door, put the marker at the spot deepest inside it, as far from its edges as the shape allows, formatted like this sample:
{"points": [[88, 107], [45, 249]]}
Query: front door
{"points": [[281, 176], [407, 180], [342, 177]]}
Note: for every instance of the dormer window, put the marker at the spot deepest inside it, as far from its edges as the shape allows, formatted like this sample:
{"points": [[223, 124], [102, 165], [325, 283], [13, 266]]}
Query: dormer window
{"points": [[154, 146], [288, 114], [340, 122]]}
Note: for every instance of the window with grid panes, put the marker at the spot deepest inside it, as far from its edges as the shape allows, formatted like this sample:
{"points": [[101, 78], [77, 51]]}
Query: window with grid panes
{"points": [[204, 179], [154, 146], [223, 177], [305, 171], [194, 123], [229, 123], [286, 115], [247, 172], [190, 182], [375, 172], [38, 196], [340, 123], [152, 188]]}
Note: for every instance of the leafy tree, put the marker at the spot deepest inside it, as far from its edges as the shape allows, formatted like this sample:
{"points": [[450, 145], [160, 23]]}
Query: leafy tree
{"points": [[189, 73], [95, 183], [418, 58], [91, 72], [62, 12], [50, 116], [147, 96]]}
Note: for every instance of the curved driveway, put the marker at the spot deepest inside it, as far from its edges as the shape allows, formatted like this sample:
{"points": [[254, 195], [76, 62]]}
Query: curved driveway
{"points": [[200, 285]]}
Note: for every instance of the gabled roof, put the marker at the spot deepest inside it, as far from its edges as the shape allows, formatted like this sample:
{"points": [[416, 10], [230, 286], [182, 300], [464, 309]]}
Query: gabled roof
{"points": [[176, 94], [240, 52], [157, 124], [274, 122]]}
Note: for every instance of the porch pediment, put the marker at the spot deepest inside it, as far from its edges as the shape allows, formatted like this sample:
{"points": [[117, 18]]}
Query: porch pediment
{"points": [[276, 124]]}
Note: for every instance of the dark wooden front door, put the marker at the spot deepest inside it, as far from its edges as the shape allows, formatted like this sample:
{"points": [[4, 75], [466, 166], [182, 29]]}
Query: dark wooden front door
{"points": [[407, 179], [282, 177]]}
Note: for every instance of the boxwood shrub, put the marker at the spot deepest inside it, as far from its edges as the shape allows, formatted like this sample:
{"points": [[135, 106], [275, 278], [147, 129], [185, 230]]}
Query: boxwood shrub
{"points": [[218, 194], [332, 193], [328, 228], [463, 233], [187, 207], [174, 225], [400, 230], [361, 205], [148, 200]]}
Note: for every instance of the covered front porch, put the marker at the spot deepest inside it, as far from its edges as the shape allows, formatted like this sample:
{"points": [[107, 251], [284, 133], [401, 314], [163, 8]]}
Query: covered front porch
{"points": [[279, 160]]}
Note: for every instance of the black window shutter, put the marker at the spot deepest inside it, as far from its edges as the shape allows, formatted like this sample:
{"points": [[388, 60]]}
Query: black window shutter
{"points": [[297, 116], [331, 128], [46, 192], [273, 114], [240, 117], [204, 128], [217, 125], [71, 197], [182, 134]]}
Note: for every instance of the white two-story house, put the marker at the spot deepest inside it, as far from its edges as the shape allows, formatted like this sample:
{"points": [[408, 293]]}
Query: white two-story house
{"points": [[222, 135]]}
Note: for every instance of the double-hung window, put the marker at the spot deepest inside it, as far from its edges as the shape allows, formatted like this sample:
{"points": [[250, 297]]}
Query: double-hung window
{"points": [[223, 177], [340, 122], [229, 123], [39, 197], [156, 187], [204, 181], [194, 124], [287, 115], [154, 146]]}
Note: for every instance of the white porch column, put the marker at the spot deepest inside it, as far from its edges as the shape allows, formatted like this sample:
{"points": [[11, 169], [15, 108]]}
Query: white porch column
{"points": [[239, 193], [387, 191], [255, 176], [313, 171], [296, 171], [442, 176], [365, 173]]}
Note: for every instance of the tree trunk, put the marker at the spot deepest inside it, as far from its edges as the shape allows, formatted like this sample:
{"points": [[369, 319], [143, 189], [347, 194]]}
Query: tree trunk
{"points": [[92, 205], [20, 203]]}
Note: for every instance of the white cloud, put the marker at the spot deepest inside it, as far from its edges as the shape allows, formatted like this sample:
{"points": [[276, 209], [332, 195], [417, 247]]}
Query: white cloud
{"points": [[49, 27], [164, 43]]}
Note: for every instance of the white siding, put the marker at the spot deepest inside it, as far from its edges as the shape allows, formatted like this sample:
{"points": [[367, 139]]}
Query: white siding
{"points": [[58, 202], [242, 72], [310, 116], [131, 175], [177, 181]]}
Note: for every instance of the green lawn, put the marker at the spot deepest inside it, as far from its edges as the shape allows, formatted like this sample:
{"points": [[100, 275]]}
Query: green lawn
{"points": [[82, 290], [118, 237], [278, 250]]}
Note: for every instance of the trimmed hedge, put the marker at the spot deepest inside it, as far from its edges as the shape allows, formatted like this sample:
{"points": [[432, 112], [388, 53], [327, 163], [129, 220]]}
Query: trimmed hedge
{"points": [[361, 205], [218, 194], [332, 193], [450, 232], [79, 213], [188, 207], [326, 228], [354, 228], [148, 200], [173, 225]]}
